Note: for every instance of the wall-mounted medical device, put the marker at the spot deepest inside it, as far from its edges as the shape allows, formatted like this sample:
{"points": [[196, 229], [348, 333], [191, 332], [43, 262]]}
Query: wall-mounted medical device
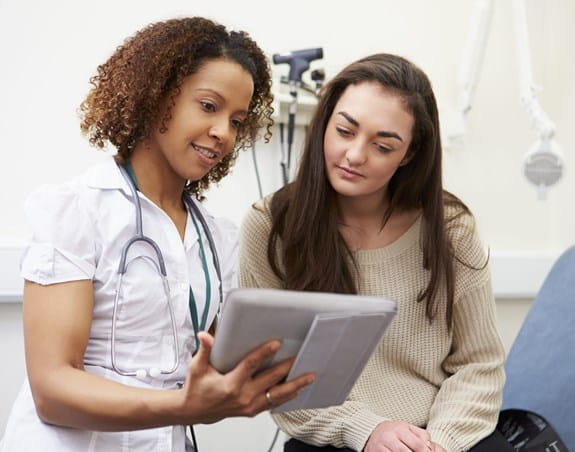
{"points": [[543, 164], [299, 62]]}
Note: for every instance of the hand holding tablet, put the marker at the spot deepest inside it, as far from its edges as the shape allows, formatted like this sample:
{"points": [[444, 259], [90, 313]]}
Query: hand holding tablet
{"points": [[332, 335]]}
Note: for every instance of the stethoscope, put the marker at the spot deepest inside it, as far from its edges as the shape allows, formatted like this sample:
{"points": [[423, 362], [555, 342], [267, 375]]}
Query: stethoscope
{"points": [[160, 266]]}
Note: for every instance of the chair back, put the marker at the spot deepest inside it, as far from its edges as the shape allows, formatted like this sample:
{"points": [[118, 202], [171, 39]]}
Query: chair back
{"points": [[540, 366]]}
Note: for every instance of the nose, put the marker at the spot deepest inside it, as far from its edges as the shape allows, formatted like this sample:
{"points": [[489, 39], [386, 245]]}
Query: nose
{"points": [[356, 154], [221, 131]]}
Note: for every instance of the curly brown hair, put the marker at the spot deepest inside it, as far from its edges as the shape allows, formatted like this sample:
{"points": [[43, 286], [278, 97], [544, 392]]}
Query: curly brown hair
{"points": [[123, 105]]}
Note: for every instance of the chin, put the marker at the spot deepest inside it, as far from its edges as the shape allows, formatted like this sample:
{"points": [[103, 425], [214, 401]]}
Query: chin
{"points": [[195, 174], [343, 189]]}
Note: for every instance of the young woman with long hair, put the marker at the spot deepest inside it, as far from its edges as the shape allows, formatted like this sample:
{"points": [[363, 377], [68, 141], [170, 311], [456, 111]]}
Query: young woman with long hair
{"points": [[367, 214]]}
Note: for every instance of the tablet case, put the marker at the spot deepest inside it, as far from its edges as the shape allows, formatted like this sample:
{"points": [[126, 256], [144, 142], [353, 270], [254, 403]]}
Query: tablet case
{"points": [[330, 334]]}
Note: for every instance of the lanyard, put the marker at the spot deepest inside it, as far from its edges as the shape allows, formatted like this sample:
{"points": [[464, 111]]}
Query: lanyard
{"points": [[192, 301]]}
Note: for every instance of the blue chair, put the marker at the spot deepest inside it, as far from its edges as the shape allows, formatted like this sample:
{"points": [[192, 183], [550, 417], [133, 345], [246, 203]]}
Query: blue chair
{"points": [[541, 363]]}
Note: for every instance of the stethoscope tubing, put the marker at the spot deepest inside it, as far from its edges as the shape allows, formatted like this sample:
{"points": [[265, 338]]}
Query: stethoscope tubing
{"points": [[161, 267], [215, 259]]}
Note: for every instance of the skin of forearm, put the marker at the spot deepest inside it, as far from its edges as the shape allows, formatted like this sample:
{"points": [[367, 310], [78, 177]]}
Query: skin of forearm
{"points": [[74, 398]]}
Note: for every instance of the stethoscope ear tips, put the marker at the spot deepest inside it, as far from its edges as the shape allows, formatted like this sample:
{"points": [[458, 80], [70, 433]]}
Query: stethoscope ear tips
{"points": [[141, 374]]}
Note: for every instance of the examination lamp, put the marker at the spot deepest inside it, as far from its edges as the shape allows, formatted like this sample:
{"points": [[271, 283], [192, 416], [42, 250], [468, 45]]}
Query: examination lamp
{"points": [[298, 61], [543, 164]]}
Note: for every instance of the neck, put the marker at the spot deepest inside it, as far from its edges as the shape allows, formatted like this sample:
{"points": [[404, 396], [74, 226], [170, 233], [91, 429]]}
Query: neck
{"points": [[157, 180], [365, 213], [362, 222]]}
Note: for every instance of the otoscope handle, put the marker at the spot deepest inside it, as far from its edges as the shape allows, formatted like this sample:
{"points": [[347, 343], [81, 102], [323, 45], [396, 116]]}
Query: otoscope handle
{"points": [[298, 60]]}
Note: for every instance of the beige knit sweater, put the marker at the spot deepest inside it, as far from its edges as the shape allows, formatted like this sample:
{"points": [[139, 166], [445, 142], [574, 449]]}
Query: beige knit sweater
{"points": [[447, 381]]}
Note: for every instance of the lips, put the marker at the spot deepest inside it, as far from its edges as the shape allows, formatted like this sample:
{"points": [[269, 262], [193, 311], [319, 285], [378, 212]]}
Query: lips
{"points": [[348, 172], [206, 152]]}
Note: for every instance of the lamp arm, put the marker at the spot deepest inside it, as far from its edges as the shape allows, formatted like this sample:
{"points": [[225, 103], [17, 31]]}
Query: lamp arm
{"points": [[474, 52], [539, 119]]}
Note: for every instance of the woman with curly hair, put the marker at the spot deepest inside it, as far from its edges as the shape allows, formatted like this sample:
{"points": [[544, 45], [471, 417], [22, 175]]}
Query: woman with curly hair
{"points": [[111, 325], [367, 214]]}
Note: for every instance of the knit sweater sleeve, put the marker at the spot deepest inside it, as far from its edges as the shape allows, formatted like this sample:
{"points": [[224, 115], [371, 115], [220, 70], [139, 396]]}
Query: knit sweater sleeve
{"points": [[346, 425], [254, 269], [466, 407]]}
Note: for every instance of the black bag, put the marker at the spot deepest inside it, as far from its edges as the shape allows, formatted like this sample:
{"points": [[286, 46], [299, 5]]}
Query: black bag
{"points": [[529, 432]]}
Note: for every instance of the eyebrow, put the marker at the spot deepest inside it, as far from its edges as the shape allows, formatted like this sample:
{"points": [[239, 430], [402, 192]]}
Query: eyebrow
{"points": [[381, 133]]}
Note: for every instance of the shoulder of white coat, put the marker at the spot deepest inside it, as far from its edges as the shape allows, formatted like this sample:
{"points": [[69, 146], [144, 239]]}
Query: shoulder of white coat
{"points": [[60, 219], [99, 175], [227, 230], [52, 198], [223, 229]]}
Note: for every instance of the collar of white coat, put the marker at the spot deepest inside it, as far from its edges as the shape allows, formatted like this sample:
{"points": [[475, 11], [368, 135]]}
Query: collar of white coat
{"points": [[107, 176]]}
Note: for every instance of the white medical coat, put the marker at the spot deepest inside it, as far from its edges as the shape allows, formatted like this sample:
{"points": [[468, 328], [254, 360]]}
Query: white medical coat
{"points": [[78, 231]]}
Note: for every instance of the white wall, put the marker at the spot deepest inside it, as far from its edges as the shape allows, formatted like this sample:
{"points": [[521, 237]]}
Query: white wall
{"points": [[50, 49]]}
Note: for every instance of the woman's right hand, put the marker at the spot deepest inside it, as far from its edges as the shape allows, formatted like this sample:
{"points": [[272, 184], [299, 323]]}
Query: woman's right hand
{"points": [[398, 437], [209, 396]]}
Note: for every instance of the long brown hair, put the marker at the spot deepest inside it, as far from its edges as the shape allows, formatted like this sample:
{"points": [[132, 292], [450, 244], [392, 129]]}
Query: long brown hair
{"points": [[150, 67], [313, 255]]}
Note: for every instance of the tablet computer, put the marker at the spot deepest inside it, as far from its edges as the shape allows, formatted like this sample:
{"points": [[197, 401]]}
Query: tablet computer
{"points": [[253, 316]]}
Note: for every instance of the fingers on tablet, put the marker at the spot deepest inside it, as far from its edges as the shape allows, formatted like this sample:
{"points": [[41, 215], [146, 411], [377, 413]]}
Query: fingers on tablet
{"points": [[287, 391], [252, 362]]}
